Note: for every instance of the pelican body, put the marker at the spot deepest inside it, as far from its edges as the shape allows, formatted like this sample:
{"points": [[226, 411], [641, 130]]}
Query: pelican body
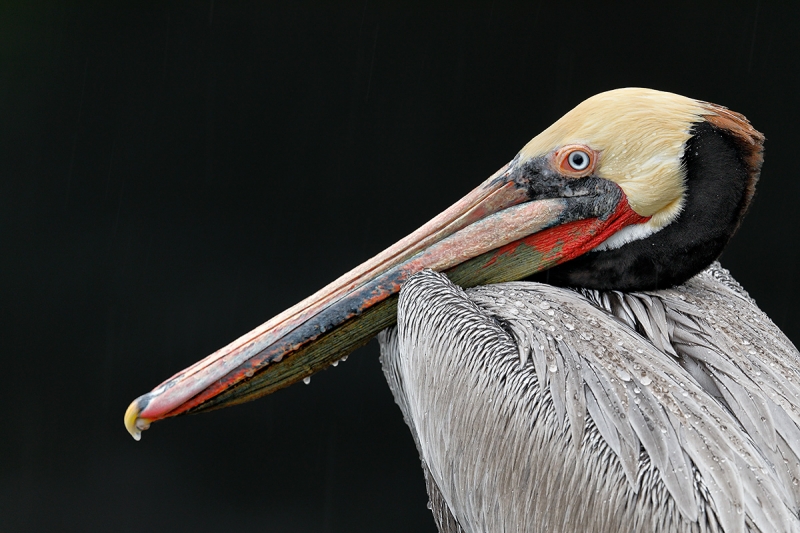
{"points": [[629, 385], [540, 409]]}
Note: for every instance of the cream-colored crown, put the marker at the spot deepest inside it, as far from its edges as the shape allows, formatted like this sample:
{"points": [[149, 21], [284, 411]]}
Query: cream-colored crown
{"points": [[640, 135]]}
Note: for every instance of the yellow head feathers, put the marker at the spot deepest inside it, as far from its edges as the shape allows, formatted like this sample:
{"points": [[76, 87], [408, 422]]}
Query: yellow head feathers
{"points": [[640, 135]]}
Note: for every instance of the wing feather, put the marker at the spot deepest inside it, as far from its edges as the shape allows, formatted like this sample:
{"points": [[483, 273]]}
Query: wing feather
{"points": [[691, 389]]}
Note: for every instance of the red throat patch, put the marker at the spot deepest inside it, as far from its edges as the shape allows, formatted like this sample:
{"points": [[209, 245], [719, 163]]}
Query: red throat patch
{"points": [[568, 241]]}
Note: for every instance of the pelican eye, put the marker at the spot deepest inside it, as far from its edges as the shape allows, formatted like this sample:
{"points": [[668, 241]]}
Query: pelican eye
{"points": [[578, 160], [575, 160]]}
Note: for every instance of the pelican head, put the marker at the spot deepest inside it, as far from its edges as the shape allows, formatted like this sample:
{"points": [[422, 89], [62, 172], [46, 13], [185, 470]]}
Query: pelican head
{"points": [[632, 189]]}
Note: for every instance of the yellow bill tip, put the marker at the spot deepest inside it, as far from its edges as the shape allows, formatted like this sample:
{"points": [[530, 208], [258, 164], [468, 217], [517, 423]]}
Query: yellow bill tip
{"points": [[133, 423]]}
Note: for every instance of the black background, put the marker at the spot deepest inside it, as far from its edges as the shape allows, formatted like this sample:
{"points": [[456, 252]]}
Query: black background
{"points": [[175, 174]]}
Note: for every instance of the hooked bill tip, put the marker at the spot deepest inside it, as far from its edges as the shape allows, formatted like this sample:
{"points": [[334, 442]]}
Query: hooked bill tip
{"points": [[133, 423]]}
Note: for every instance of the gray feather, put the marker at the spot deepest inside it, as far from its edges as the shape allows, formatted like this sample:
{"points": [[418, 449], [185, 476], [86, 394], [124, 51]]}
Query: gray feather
{"points": [[536, 408]]}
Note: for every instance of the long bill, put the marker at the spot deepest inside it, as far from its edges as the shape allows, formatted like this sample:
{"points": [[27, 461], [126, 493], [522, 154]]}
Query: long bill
{"points": [[493, 234]]}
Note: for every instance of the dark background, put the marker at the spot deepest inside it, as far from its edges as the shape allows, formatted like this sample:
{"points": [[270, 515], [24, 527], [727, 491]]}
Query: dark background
{"points": [[172, 175]]}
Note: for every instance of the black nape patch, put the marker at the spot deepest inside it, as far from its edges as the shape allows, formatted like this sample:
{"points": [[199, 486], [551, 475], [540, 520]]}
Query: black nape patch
{"points": [[716, 180]]}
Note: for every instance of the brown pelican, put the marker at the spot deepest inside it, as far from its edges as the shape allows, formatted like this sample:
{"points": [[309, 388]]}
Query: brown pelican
{"points": [[652, 395]]}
